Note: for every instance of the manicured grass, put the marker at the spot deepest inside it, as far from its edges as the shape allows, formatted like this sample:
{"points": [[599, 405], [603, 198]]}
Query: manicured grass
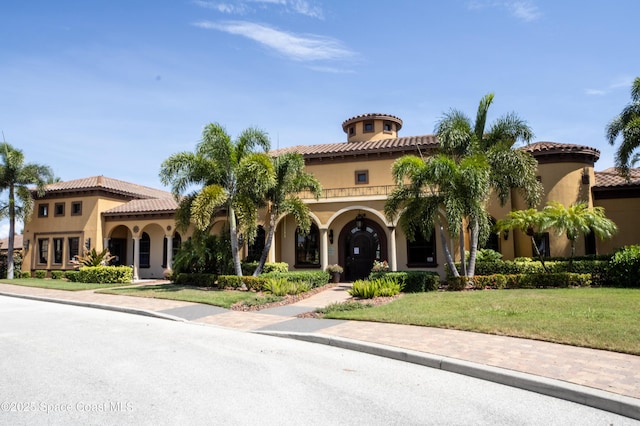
{"points": [[57, 284], [602, 318], [222, 298]]}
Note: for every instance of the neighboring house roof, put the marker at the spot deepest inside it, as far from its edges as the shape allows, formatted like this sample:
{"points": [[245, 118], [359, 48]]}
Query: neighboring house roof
{"points": [[392, 145], [17, 243], [155, 206], [609, 184], [547, 152], [103, 183]]}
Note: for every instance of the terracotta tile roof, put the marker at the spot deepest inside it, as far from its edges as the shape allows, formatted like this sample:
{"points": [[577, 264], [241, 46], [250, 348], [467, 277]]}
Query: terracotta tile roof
{"points": [[609, 178], [107, 184], [372, 116], [560, 148], [154, 205], [408, 143], [17, 242]]}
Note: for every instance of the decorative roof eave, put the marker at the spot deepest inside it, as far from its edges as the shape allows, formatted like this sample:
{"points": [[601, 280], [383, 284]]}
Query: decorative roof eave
{"points": [[167, 214], [372, 116], [553, 152]]}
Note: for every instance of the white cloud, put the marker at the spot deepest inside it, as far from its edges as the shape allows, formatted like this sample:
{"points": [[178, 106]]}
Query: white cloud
{"points": [[525, 10], [302, 7], [297, 47], [622, 82], [595, 92]]}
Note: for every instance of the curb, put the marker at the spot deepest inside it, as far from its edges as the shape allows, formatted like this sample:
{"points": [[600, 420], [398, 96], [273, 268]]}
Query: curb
{"points": [[134, 311], [602, 400]]}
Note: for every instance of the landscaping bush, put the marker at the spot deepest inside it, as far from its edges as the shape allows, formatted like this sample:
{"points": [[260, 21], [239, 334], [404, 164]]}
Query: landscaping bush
{"points": [[248, 268], [229, 281], [282, 286], [457, 283], [381, 287], [255, 283], [105, 274], [196, 279], [313, 278], [412, 281], [57, 275], [25, 274], [40, 274], [624, 267], [17, 264], [72, 276]]}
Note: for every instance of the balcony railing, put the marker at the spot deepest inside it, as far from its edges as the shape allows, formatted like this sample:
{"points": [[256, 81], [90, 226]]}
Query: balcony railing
{"points": [[353, 191]]}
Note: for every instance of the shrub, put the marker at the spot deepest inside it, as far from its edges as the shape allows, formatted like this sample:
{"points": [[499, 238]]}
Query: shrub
{"points": [[412, 281], [313, 278], [495, 281], [196, 279], [281, 286], [56, 275], [343, 306], [624, 267], [254, 283], [229, 281], [105, 274], [488, 255], [457, 283], [381, 287], [248, 268], [25, 274], [259, 300], [73, 276], [41, 273]]}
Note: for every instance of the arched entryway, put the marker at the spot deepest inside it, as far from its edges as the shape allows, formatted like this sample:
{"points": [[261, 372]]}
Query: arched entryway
{"points": [[361, 242]]}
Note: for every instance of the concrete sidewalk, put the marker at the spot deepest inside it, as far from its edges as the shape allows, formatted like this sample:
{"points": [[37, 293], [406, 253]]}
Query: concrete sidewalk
{"points": [[602, 379]]}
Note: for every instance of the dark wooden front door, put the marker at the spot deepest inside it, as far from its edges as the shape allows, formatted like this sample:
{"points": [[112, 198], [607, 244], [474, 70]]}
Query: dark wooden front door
{"points": [[118, 248], [362, 255]]}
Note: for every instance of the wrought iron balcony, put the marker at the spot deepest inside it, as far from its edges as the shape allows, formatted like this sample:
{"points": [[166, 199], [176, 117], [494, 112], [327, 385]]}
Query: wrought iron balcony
{"points": [[352, 191]]}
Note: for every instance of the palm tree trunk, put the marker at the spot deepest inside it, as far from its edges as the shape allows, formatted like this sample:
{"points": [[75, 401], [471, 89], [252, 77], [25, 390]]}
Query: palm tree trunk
{"points": [[473, 250], [267, 245], [538, 254], [12, 226], [235, 251], [463, 261], [447, 253]]}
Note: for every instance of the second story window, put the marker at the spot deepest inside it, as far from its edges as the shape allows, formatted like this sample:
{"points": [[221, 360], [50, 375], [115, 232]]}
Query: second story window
{"points": [[43, 210], [367, 126], [59, 209], [76, 208], [362, 177], [387, 127]]}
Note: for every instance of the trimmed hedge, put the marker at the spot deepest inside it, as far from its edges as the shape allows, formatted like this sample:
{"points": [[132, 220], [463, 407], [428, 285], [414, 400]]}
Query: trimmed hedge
{"points": [[514, 281], [105, 274], [248, 268], [624, 269], [233, 281], [411, 281], [73, 276], [196, 279], [57, 275], [25, 274], [40, 274], [313, 278]]}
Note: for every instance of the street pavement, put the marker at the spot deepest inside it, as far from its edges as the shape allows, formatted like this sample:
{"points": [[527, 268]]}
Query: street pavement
{"points": [[601, 379]]}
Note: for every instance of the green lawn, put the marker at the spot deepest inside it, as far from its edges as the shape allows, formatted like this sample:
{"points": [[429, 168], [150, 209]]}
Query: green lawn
{"points": [[222, 298], [602, 318], [57, 284]]}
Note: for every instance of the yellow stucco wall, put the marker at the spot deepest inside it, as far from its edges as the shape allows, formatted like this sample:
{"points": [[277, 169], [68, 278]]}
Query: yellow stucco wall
{"points": [[624, 212]]}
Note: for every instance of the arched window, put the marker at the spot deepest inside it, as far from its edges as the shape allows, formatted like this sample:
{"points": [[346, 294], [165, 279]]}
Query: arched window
{"points": [[255, 249], [308, 248], [145, 251]]}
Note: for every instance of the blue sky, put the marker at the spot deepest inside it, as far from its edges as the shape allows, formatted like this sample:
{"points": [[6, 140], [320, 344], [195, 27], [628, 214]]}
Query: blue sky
{"points": [[115, 87]]}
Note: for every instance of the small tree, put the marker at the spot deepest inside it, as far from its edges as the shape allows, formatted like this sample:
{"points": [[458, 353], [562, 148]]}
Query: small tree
{"points": [[529, 221], [627, 126]]}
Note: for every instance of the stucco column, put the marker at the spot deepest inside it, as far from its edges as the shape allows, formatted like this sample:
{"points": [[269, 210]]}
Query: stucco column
{"points": [[105, 243], [169, 251], [392, 249], [324, 248], [136, 258]]}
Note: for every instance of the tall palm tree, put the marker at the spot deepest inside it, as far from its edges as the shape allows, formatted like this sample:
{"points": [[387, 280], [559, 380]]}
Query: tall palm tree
{"points": [[16, 176], [509, 169], [627, 125], [282, 198], [232, 176], [440, 192], [577, 219]]}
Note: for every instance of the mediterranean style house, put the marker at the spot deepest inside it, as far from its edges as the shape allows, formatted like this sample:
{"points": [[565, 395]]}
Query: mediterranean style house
{"points": [[349, 228]]}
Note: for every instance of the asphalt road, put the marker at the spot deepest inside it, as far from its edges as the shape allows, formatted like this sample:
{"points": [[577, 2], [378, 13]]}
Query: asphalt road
{"points": [[62, 364]]}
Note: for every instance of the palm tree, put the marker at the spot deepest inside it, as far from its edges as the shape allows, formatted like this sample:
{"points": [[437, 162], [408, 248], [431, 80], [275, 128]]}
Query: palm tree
{"points": [[530, 221], [442, 193], [577, 219], [282, 198], [16, 177], [233, 177], [509, 169], [627, 125]]}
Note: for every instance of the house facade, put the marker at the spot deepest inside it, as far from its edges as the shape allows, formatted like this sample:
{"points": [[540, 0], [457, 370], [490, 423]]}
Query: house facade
{"points": [[349, 227]]}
